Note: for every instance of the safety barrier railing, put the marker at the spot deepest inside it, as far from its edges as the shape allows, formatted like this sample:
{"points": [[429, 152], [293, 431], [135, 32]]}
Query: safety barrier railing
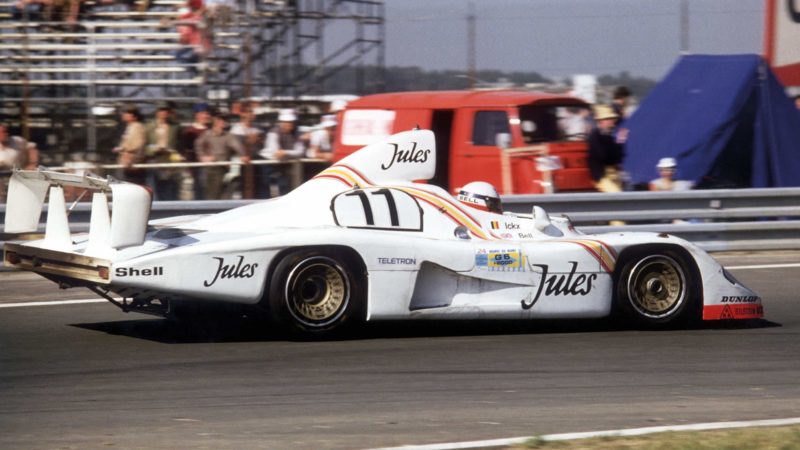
{"points": [[716, 220]]}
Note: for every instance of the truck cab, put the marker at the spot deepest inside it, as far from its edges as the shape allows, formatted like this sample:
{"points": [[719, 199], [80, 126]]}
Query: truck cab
{"points": [[522, 142]]}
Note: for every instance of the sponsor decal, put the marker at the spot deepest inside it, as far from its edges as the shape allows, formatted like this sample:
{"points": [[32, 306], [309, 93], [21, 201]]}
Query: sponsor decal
{"points": [[733, 311], [398, 261], [412, 155], [500, 260], [495, 225], [236, 269], [740, 299], [561, 284], [481, 259], [131, 272], [505, 260]]}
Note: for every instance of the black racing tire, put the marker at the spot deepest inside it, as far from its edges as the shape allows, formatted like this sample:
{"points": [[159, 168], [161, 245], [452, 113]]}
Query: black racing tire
{"points": [[656, 289], [316, 293]]}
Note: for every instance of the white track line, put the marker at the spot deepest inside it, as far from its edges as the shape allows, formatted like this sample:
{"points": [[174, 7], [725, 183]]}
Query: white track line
{"points": [[594, 434], [765, 266], [52, 303]]}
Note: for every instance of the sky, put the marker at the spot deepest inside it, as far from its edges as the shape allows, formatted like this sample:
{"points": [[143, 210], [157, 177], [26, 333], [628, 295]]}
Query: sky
{"points": [[564, 37]]}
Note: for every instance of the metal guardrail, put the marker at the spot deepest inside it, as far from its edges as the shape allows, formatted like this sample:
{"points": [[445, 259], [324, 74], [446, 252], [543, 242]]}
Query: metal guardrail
{"points": [[716, 220]]}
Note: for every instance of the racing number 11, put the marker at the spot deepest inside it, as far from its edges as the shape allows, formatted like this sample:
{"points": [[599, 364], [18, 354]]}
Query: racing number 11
{"points": [[368, 208]]}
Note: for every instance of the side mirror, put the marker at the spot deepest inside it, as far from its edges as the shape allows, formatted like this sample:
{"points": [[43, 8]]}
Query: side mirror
{"points": [[541, 221]]}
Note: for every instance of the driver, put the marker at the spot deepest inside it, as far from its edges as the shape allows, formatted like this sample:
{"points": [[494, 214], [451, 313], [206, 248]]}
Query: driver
{"points": [[481, 195]]}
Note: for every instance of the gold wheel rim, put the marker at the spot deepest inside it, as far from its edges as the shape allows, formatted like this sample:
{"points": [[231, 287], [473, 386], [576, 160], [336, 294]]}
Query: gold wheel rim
{"points": [[657, 286], [317, 292]]}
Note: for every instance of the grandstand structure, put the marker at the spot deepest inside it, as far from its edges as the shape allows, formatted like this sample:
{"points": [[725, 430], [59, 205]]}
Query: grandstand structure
{"points": [[62, 83]]}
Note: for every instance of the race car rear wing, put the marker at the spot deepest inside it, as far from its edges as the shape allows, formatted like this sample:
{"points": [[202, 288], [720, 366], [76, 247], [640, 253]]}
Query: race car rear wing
{"points": [[126, 226]]}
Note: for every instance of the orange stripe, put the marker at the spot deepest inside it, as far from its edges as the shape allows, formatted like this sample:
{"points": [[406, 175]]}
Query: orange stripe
{"points": [[335, 177], [359, 174], [473, 225]]}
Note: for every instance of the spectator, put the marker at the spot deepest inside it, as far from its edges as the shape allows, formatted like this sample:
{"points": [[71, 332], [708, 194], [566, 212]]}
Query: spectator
{"points": [[666, 177], [162, 142], [283, 143], [30, 9], [321, 140], [186, 140], [252, 139], [33, 156], [248, 133], [215, 145], [131, 148], [218, 13], [191, 32], [13, 153], [621, 103], [605, 152]]}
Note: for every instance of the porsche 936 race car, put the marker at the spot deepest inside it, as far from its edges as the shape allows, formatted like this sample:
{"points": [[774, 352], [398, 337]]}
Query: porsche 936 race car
{"points": [[361, 242]]}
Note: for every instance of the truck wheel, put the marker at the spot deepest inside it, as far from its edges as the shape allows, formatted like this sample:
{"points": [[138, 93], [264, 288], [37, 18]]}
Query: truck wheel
{"points": [[656, 289], [315, 293]]}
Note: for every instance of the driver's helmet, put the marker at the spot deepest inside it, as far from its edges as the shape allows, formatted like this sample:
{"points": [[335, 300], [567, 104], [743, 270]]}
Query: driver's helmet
{"points": [[481, 195]]}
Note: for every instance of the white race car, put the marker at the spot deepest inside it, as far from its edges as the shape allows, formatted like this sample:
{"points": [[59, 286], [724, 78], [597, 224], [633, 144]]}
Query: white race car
{"points": [[362, 241]]}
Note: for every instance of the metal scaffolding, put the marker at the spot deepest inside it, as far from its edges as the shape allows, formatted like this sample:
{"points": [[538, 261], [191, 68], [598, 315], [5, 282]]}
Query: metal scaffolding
{"points": [[292, 48], [54, 76]]}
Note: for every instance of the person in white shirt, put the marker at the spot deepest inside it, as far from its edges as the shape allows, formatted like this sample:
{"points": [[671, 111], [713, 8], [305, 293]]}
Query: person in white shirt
{"points": [[666, 180], [321, 140], [283, 143]]}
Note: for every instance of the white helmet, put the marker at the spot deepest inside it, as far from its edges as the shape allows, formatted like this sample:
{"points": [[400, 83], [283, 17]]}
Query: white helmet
{"points": [[481, 195]]}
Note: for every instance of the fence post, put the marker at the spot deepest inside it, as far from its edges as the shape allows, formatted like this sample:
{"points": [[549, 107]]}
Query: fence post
{"points": [[295, 173]]}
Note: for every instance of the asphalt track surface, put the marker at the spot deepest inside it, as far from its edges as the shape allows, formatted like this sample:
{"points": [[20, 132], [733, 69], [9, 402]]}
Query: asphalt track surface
{"points": [[90, 376]]}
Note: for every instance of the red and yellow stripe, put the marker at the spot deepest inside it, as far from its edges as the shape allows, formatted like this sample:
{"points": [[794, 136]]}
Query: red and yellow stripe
{"points": [[602, 252]]}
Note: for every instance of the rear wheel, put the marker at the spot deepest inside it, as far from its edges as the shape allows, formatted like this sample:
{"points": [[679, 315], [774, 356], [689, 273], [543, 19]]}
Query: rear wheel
{"points": [[657, 289], [316, 292]]}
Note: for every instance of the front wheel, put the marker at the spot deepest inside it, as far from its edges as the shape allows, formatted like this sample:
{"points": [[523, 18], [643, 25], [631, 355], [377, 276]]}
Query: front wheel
{"points": [[657, 289], [315, 292]]}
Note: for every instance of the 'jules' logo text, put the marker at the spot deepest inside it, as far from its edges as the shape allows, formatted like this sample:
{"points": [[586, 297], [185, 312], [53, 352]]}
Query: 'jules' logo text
{"points": [[411, 155], [235, 270], [561, 284]]}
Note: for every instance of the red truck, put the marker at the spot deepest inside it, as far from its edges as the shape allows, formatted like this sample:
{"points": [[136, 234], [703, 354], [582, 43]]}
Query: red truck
{"points": [[521, 142]]}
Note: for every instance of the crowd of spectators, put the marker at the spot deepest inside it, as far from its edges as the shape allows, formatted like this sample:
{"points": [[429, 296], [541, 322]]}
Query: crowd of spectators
{"points": [[226, 149]]}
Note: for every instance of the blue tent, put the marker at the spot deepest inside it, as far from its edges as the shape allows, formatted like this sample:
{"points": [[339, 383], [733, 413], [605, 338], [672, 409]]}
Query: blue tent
{"points": [[725, 118]]}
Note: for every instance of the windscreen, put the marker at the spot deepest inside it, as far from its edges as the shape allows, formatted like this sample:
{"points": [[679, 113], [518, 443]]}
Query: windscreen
{"points": [[548, 123]]}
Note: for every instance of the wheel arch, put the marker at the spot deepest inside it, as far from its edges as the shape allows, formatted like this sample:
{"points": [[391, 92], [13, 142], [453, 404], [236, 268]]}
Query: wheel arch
{"points": [[349, 254], [640, 250]]}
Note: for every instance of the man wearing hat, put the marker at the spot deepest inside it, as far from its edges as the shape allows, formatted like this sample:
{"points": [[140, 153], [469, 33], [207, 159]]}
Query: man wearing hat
{"points": [[320, 144], [605, 152], [666, 177], [282, 143]]}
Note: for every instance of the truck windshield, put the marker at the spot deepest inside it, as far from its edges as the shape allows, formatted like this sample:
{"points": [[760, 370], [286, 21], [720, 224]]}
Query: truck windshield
{"points": [[547, 123]]}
